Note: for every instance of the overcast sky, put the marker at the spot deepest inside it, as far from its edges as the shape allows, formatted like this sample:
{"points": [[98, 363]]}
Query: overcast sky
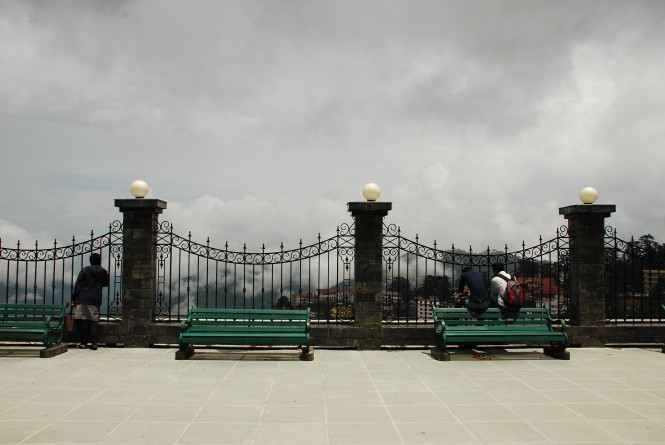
{"points": [[257, 121]]}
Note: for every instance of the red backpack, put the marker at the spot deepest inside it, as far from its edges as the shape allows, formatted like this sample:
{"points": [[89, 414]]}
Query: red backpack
{"points": [[512, 297]]}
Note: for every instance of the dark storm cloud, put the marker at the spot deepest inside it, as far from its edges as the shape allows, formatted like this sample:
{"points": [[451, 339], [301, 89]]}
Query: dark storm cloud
{"points": [[287, 108]]}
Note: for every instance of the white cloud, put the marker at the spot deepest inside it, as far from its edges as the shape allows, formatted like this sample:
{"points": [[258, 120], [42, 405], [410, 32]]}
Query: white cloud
{"points": [[258, 122], [10, 235], [256, 223], [435, 176]]}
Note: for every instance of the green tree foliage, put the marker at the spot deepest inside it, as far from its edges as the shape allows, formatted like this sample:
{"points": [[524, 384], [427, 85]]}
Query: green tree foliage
{"points": [[647, 243], [435, 286], [402, 286], [635, 285]]}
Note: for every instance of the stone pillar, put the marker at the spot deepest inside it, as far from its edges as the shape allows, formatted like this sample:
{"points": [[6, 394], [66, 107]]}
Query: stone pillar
{"points": [[586, 229], [368, 269], [139, 267]]}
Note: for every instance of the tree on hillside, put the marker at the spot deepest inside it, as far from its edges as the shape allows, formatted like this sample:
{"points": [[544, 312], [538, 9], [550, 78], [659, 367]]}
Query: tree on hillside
{"points": [[402, 286], [647, 242], [435, 286]]}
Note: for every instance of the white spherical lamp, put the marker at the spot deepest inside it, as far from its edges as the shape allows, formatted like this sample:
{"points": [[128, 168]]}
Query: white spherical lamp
{"points": [[588, 195], [139, 189], [371, 192]]}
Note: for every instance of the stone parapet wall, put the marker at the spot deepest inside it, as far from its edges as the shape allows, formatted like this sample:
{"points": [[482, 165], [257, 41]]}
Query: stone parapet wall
{"points": [[404, 335]]}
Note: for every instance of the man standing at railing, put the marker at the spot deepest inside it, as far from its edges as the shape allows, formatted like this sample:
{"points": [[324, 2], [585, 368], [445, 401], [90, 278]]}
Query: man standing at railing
{"points": [[87, 298]]}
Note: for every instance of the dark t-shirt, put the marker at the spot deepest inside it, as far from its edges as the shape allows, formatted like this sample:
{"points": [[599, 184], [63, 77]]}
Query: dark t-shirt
{"points": [[478, 297]]}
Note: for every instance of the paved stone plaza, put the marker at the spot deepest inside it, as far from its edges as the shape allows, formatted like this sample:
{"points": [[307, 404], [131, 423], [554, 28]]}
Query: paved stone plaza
{"points": [[144, 396]]}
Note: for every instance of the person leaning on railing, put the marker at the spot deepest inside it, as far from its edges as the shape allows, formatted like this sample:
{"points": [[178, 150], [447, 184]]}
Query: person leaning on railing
{"points": [[87, 299]]}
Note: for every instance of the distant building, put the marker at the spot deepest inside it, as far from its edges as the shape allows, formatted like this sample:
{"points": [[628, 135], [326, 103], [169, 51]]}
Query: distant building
{"points": [[543, 290], [322, 295], [424, 307], [537, 286], [651, 279]]}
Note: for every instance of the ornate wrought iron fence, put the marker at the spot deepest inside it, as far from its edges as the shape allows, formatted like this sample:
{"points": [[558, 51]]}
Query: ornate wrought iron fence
{"points": [[635, 280], [417, 276], [318, 276], [47, 275]]}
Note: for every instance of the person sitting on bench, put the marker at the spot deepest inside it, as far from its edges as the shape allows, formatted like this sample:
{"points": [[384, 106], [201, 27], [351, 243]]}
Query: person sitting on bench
{"points": [[472, 293]]}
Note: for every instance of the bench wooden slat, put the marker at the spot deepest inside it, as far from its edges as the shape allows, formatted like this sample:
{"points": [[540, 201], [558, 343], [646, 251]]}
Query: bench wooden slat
{"points": [[231, 329], [459, 326], [249, 313], [255, 327], [33, 322]]}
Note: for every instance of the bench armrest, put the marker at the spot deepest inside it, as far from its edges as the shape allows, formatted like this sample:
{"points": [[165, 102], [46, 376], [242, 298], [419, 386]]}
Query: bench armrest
{"points": [[562, 323], [59, 321], [439, 326]]}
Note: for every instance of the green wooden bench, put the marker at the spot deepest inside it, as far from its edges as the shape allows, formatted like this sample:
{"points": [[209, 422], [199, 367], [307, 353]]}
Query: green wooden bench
{"points": [[531, 326], [662, 307], [42, 323], [246, 327]]}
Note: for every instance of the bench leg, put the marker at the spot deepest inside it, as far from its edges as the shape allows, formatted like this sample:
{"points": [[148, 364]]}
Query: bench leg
{"points": [[307, 354], [184, 354], [440, 354], [53, 351], [556, 353]]}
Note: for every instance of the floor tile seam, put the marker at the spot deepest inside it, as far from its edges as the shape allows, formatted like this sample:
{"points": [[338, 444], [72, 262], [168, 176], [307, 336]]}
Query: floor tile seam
{"points": [[466, 424], [255, 431], [321, 376], [120, 423], [7, 408], [383, 402], [542, 392], [643, 392], [174, 379], [143, 403], [569, 407], [60, 418], [627, 420], [36, 432], [457, 420], [599, 393], [326, 419], [604, 429], [512, 410], [618, 381], [506, 406], [88, 400], [264, 407], [496, 364], [445, 405], [125, 419], [212, 422], [619, 404], [585, 420], [533, 425], [204, 404]]}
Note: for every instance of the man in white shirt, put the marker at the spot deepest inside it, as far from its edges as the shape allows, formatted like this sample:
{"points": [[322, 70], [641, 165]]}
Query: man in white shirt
{"points": [[498, 283]]}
